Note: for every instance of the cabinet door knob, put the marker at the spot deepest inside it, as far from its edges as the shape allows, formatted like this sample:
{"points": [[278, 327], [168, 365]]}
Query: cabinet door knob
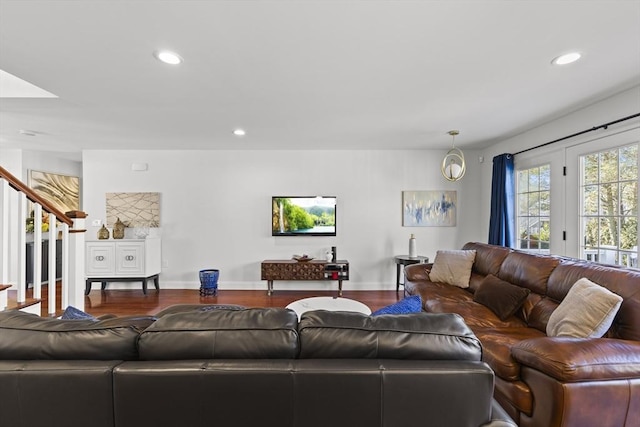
{"points": [[100, 258], [129, 257]]}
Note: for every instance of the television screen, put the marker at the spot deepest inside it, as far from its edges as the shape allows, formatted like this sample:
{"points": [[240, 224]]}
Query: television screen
{"points": [[303, 216]]}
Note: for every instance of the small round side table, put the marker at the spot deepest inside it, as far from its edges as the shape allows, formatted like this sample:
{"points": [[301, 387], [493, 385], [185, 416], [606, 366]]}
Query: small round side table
{"points": [[404, 260]]}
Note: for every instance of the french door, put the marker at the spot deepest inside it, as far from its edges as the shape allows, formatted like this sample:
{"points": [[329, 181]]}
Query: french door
{"points": [[602, 198]]}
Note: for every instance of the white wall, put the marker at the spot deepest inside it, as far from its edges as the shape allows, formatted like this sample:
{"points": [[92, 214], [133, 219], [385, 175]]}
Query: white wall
{"points": [[216, 208]]}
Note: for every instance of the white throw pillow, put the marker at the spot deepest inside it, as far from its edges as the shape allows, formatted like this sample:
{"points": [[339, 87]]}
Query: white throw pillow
{"points": [[587, 311], [453, 267]]}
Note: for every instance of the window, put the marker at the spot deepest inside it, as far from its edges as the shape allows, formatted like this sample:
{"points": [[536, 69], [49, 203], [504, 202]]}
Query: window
{"points": [[534, 208], [609, 206]]}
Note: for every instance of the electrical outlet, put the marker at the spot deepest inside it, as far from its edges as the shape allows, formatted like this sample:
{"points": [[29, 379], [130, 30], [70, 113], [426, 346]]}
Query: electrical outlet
{"points": [[96, 223]]}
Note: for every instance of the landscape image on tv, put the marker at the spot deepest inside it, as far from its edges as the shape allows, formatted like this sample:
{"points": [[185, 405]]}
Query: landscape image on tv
{"points": [[303, 216]]}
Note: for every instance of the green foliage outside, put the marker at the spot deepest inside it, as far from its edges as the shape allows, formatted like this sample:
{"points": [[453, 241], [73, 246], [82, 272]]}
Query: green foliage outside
{"points": [[297, 218]]}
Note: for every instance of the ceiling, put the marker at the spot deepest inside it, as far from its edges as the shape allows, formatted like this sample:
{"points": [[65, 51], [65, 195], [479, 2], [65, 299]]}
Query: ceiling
{"points": [[306, 74]]}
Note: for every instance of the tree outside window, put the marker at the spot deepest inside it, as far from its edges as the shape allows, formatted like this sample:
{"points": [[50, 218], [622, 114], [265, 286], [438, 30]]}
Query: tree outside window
{"points": [[609, 211]]}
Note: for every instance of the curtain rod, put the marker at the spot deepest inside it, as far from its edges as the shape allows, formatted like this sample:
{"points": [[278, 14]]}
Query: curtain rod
{"points": [[604, 126]]}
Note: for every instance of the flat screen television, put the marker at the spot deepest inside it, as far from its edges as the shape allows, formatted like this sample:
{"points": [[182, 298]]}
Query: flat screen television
{"points": [[303, 215]]}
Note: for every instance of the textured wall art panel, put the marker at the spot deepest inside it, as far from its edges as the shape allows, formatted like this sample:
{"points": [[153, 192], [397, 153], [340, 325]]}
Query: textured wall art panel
{"points": [[60, 190], [134, 209]]}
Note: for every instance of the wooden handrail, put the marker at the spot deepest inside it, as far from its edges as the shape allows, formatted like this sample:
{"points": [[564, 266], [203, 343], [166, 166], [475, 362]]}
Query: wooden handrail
{"points": [[31, 195]]}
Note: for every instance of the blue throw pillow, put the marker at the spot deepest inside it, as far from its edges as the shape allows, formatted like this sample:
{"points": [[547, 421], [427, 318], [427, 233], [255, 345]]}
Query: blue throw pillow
{"points": [[408, 305], [72, 313]]}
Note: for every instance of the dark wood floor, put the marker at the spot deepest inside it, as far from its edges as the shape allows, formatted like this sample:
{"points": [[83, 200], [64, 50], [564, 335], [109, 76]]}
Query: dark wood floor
{"points": [[131, 302], [134, 302]]}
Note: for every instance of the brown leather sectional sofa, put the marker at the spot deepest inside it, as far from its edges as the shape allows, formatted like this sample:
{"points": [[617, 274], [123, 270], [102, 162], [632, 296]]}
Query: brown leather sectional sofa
{"points": [[245, 368], [547, 381]]}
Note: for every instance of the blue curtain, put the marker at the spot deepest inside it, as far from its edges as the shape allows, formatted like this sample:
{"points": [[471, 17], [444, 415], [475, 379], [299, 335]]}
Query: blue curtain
{"points": [[502, 222]]}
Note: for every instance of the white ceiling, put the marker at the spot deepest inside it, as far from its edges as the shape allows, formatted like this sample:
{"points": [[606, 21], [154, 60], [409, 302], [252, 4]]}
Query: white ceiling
{"points": [[306, 74]]}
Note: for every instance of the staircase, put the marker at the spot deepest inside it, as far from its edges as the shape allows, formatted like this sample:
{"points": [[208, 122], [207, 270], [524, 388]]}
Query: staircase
{"points": [[15, 197]]}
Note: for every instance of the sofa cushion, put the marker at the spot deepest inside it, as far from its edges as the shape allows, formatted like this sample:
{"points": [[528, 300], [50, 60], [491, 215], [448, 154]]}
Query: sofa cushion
{"points": [[475, 315], [497, 345], [430, 291], [528, 270], [503, 298], [27, 336], [347, 335], [488, 257], [586, 312], [453, 267], [411, 304], [256, 333], [180, 308]]}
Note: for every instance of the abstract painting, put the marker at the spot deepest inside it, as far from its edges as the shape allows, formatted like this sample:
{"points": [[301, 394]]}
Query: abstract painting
{"points": [[62, 191], [429, 208], [134, 209]]}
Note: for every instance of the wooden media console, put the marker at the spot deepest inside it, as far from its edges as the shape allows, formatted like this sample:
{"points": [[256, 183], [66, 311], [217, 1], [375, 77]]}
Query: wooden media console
{"points": [[291, 269]]}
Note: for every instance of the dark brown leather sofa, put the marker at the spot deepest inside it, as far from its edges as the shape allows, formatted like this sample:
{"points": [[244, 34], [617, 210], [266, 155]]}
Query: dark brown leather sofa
{"points": [[252, 367], [548, 381]]}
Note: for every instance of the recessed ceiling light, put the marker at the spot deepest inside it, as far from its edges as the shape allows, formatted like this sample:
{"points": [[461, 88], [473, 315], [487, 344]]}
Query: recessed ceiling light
{"points": [[567, 58], [168, 57], [239, 132]]}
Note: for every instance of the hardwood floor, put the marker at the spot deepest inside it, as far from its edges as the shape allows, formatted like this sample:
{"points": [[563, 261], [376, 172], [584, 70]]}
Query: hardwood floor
{"points": [[134, 302]]}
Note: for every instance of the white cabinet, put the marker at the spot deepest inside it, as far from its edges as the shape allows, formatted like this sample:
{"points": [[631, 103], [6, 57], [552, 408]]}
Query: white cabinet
{"points": [[124, 260]]}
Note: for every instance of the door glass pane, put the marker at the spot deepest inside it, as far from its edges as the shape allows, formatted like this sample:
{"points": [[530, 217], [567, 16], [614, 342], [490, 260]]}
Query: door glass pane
{"points": [[609, 199], [590, 169], [590, 200], [534, 179], [608, 231], [590, 232], [523, 204], [545, 232], [545, 203], [629, 162], [629, 198], [609, 166], [545, 177], [534, 204], [523, 181]]}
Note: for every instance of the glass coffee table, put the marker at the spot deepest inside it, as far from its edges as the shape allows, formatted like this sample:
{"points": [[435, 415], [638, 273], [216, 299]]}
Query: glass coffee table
{"points": [[328, 303]]}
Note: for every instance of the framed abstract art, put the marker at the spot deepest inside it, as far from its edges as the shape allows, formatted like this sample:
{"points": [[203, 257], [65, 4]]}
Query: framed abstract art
{"points": [[429, 208]]}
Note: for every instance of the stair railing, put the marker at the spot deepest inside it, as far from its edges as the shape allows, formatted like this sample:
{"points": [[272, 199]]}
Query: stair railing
{"points": [[14, 195]]}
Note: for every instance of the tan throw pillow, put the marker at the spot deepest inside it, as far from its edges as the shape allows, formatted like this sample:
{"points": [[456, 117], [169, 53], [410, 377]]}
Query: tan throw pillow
{"points": [[587, 311], [453, 267]]}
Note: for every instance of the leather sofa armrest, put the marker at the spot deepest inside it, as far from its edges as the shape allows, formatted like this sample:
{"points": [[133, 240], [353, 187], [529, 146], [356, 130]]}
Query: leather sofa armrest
{"points": [[580, 359], [417, 272]]}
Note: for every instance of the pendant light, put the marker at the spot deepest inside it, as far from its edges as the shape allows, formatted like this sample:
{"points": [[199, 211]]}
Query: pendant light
{"points": [[453, 164]]}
